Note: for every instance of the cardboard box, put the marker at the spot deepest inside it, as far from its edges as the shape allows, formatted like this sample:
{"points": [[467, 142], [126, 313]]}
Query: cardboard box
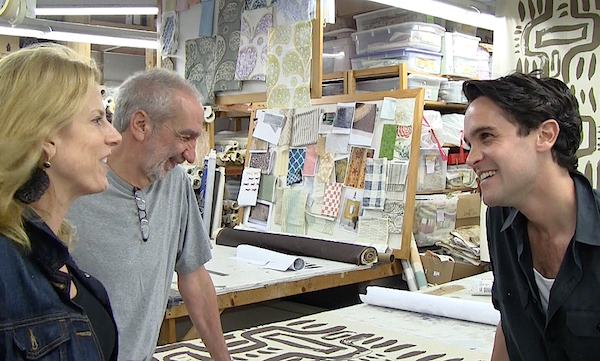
{"points": [[468, 209], [441, 270]]}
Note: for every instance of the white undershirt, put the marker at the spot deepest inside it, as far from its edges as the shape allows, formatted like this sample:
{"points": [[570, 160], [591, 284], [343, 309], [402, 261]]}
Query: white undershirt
{"points": [[544, 286]]}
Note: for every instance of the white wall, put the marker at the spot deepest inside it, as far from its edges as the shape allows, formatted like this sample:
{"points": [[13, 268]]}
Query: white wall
{"points": [[117, 67]]}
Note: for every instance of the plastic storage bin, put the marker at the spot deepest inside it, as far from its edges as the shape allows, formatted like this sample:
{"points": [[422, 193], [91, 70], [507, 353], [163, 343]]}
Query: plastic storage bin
{"points": [[333, 89], [460, 44], [378, 85], [459, 66], [431, 175], [451, 92], [415, 59], [431, 84], [386, 17], [336, 55], [412, 34]]}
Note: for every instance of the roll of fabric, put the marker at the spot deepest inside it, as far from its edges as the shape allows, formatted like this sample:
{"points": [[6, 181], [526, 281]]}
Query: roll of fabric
{"points": [[301, 246]]}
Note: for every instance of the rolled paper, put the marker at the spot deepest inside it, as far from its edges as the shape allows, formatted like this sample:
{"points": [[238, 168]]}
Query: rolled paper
{"points": [[467, 310], [385, 257], [196, 181], [300, 246]]}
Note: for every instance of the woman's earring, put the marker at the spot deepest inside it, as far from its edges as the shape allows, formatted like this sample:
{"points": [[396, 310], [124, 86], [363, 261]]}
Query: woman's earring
{"points": [[35, 186]]}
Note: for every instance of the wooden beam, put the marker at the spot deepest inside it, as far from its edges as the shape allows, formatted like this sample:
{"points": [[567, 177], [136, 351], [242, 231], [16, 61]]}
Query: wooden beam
{"points": [[241, 98], [150, 59]]}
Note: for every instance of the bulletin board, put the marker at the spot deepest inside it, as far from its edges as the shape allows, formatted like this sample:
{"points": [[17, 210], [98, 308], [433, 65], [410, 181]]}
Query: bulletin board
{"points": [[261, 214]]}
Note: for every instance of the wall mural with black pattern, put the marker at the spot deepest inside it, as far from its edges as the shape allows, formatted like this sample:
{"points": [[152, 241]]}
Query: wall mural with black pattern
{"points": [[562, 39]]}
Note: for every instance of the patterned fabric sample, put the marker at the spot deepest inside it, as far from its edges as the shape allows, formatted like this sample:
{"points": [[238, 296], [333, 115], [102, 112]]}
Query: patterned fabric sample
{"points": [[286, 131], [355, 175], [282, 156], [320, 224], [318, 193], [405, 109], [200, 66], [305, 127], [292, 211], [289, 11], [375, 183], [295, 164], [344, 116], [341, 167], [403, 139], [266, 188], [363, 124], [289, 58], [254, 38], [228, 44], [249, 187], [310, 161], [394, 212], [256, 4], [388, 141], [261, 160], [331, 200], [396, 176], [279, 188], [326, 164], [337, 143], [373, 230]]}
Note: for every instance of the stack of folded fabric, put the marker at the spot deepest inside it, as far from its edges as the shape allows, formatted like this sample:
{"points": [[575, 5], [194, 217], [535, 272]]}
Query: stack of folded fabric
{"points": [[464, 244]]}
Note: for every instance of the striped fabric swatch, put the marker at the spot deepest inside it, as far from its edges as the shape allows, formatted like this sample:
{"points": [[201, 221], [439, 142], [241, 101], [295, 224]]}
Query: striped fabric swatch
{"points": [[305, 127]]}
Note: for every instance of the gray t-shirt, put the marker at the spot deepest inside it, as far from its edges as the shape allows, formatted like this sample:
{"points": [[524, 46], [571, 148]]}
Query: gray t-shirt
{"points": [[138, 274]]}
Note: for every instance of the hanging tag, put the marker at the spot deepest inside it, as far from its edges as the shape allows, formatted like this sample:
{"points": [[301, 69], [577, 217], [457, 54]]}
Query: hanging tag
{"points": [[440, 215], [430, 164]]}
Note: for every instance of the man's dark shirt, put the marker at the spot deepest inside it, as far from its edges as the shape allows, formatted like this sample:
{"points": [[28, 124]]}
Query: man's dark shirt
{"points": [[571, 329]]}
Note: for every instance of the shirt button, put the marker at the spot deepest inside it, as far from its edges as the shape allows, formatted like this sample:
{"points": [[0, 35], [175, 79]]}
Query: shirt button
{"points": [[509, 294], [87, 275]]}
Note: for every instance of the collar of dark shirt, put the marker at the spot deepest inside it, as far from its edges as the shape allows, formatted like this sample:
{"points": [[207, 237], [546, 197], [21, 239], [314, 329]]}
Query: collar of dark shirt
{"points": [[588, 212]]}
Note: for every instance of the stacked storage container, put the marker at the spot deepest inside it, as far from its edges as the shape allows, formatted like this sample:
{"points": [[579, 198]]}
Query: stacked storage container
{"points": [[460, 55]]}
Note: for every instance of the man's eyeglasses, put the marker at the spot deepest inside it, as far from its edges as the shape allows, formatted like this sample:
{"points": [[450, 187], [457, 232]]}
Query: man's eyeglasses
{"points": [[141, 206]]}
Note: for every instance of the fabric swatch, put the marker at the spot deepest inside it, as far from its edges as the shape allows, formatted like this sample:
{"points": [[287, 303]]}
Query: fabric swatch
{"points": [[249, 187], [207, 15], [344, 116], [289, 11], [375, 183], [286, 132], [331, 199], [393, 210], [341, 167], [292, 216], [262, 160], [373, 230], [320, 223], [337, 143], [289, 58], [316, 197], [405, 108], [295, 164], [363, 124], [310, 161], [281, 161], [388, 141], [256, 4], [305, 126], [228, 41], [355, 175], [266, 188], [254, 38], [200, 66], [396, 176]]}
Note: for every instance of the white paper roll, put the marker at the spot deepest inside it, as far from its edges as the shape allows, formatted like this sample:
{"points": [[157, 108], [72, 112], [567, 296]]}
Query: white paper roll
{"points": [[196, 181], [466, 310], [269, 259]]}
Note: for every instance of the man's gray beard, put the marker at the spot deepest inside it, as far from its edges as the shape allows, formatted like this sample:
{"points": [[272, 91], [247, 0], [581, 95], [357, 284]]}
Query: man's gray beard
{"points": [[157, 172]]}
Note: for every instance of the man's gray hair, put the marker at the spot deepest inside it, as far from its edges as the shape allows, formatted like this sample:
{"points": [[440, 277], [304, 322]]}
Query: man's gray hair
{"points": [[152, 91]]}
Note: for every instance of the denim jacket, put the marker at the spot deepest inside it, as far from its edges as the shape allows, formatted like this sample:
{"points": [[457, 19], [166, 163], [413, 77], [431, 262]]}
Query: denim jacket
{"points": [[38, 320]]}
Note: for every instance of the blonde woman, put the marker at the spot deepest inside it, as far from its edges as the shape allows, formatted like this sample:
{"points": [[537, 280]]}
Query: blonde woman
{"points": [[54, 141]]}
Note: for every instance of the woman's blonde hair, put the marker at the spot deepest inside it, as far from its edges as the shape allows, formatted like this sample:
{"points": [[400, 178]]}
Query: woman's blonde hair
{"points": [[41, 89]]}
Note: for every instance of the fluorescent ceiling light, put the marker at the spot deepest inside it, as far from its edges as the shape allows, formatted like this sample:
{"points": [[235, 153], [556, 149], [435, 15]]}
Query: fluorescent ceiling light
{"points": [[100, 39], [113, 10], [82, 33], [446, 11]]}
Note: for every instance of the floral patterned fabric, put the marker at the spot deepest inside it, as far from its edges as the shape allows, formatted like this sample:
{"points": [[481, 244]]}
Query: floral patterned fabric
{"points": [[252, 56], [289, 58]]}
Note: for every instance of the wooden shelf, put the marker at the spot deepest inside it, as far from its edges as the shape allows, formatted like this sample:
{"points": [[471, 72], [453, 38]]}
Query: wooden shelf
{"points": [[334, 76]]}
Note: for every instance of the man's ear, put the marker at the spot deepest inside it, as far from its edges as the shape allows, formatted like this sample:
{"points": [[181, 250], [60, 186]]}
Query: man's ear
{"points": [[140, 125], [547, 134]]}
